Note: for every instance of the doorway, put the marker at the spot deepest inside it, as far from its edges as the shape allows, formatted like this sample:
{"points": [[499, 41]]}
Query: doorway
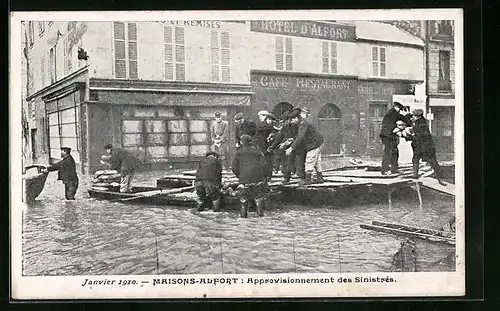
{"points": [[330, 125], [377, 111]]}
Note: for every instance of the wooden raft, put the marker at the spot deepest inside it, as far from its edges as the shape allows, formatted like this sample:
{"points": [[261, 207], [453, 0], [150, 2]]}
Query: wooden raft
{"points": [[421, 233]]}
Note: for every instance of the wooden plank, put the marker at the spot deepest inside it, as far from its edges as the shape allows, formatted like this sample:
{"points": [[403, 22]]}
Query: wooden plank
{"points": [[432, 183], [412, 229], [423, 236], [156, 192]]}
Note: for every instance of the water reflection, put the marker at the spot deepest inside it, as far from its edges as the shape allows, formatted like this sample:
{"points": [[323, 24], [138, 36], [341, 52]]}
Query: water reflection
{"points": [[96, 237]]}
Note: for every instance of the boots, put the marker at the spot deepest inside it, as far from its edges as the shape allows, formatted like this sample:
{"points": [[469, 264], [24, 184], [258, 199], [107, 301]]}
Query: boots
{"points": [[306, 180], [261, 205], [319, 178], [243, 209], [201, 205], [286, 180], [216, 205], [416, 166]]}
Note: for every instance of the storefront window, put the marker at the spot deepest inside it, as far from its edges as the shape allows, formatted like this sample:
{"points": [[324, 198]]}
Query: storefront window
{"points": [[220, 56], [378, 61], [175, 58], [63, 130], [165, 132], [284, 53]]}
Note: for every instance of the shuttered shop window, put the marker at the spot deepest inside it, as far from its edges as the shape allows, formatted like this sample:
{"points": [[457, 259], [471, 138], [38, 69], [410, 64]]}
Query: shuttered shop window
{"points": [[174, 53], [125, 48]]}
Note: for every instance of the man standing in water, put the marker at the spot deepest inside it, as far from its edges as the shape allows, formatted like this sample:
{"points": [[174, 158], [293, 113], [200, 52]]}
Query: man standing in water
{"points": [[219, 139], [423, 145], [209, 182], [390, 139], [125, 163], [307, 146], [66, 173]]}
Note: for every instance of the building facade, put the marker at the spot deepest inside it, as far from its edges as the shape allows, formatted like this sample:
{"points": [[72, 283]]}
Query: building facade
{"points": [[153, 87]]}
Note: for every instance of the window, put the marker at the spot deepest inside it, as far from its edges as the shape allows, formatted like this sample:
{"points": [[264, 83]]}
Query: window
{"points": [[162, 133], [443, 28], [329, 111], [63, 129], [284, 53], [220, 56], [125, 45], [31, 33], [175, 56], [41, 28], [52, 64], [329, 55], [378, 61], [444, 83]]}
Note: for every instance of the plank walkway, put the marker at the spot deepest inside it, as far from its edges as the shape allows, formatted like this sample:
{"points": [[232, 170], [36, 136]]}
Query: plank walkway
{"points": [[432, 183]]}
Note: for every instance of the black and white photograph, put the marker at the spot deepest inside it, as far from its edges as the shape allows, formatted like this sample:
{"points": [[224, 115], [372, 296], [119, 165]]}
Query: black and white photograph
{"points": [[229, 155]]}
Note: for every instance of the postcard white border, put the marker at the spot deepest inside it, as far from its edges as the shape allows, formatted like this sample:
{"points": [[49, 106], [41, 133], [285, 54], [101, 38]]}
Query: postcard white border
{"points": [[69, 287]]}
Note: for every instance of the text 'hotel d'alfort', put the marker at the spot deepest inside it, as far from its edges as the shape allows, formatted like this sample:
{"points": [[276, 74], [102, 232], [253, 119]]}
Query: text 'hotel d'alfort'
{"points": [[153, 87]]}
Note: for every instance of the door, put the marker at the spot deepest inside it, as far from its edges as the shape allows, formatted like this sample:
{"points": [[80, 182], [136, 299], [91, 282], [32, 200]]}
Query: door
{"points": [[377, 111], [443, 129], [329, 124]]}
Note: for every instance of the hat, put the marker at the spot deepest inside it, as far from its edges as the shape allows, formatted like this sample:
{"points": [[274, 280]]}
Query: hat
{"points": [[212, 153], [108, 146], [67, 149], [238, 116], [398, 104], [417, 112], [295, 113], [245, 139], [218, 114], [305, 110]]}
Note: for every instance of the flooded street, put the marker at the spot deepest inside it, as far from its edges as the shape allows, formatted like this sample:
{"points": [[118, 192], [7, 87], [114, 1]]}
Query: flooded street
{"points": [[91, 237]]}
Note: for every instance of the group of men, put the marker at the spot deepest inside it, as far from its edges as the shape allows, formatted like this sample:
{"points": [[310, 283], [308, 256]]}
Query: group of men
{"points": [[400, 123], [290, 142]]}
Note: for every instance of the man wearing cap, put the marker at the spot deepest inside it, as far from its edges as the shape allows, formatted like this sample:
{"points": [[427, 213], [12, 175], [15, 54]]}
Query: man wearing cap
{"points": [[423, 145], [209, 182], [263, 137], [307, 145], [250, 166], [243, 127], [219, 133], [66, 173], [124, 162], [284, 140], [390, 139]]}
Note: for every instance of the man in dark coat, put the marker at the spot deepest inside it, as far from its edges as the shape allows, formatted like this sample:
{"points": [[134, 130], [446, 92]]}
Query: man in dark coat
{"points": [[307, 147], [209, 182], [263, 137], [243, 127], [390, 140], [125, 163], [283, 141], [423, 145], [250, 166], [66, 172]]}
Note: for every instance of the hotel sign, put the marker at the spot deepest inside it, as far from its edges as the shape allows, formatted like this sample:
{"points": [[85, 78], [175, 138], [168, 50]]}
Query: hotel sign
{"points": [[308, 29]]}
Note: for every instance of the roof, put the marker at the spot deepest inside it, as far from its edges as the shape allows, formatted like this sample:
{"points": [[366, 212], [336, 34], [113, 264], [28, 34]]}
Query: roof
{"points": [[385, 33]]}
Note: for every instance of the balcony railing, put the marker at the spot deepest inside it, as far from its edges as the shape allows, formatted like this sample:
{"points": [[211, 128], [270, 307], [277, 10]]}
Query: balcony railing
{"points": [[444, 85]]}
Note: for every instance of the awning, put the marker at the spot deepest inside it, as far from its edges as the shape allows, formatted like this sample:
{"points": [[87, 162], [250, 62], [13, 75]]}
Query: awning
{"points": [[386, 33], [172, 99]]}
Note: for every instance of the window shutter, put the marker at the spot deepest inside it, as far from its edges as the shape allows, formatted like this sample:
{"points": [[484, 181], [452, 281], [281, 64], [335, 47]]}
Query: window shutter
{"points": [[215, 73], [224, 40], [214, 42], [169, 52], [279, 44], [180, 74], [374, 53], [324, 54], [179, 35], [382, 54], [225, 57], [132, 50], [167, 34], [169, 71], [179, 54], [288, 45], [333, 60], [289, 62], [279, 53], [225, 73]]}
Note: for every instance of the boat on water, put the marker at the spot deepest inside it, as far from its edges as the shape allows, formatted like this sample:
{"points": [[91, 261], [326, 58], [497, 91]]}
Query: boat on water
{"points": [[33, 183]]}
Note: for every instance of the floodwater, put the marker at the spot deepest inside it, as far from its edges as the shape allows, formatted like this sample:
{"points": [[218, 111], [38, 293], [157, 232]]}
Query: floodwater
{"points": [[92, 237]]}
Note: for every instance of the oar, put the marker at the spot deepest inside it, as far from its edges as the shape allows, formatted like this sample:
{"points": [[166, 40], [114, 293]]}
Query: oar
{"points": [[156, 192]]}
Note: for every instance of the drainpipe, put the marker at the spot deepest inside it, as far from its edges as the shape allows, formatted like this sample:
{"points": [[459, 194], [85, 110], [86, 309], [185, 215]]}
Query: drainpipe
{"points": [[427, 69]]}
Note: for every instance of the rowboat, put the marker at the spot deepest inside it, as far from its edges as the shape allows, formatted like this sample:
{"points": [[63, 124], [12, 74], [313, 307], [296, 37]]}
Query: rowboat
{"points": [[33, 184]]}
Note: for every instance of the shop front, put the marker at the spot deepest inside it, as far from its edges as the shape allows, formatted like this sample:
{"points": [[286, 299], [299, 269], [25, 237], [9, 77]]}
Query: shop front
{"points": [[375, 99], [331, 99], [164, 126], [442, 111]]}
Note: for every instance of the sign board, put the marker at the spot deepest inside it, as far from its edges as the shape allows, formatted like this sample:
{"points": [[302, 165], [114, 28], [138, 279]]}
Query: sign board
{"points": [[412, 101], [309, 29]]}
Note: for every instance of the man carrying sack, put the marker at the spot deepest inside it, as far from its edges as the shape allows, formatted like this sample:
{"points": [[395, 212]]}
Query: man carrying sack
{"points": [[125, 163]]}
